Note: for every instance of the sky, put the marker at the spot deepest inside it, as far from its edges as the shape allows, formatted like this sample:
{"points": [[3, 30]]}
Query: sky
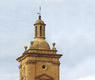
{"points": [[69, 23]]}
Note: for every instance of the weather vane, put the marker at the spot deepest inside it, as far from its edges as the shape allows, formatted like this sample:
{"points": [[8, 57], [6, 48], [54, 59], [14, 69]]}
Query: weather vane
{"points": [[39, 13]]}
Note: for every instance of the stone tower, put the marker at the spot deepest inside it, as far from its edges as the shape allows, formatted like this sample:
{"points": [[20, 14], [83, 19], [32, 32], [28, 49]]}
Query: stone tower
{"points": [[39, 62]]}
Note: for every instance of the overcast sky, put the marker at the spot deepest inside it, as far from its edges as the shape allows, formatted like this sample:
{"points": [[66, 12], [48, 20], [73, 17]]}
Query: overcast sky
{"points": [[69, 23]]}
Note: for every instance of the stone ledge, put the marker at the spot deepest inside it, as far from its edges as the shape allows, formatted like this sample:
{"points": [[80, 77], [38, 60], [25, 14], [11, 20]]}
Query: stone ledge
{"points": [[38, 55]]}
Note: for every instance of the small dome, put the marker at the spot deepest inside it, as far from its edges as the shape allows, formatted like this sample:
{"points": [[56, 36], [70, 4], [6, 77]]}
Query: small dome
{"points": [[39, 43], [39, 21]]}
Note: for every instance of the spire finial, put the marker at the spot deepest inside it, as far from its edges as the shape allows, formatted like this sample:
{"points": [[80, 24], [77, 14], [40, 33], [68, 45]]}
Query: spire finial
{"points": [[25, 48], [39, 13], [53, 47]]}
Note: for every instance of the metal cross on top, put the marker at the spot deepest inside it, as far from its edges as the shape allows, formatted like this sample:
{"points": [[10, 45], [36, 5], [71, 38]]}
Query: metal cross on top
{"points": [[39, 13]]}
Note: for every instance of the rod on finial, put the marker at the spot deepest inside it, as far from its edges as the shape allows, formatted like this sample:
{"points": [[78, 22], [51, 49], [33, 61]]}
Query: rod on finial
{"points": [[39, 13], [40, 10]]}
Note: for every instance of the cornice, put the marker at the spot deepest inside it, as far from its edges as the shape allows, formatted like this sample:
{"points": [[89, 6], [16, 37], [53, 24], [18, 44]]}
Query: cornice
{"points": [[38, 55]]}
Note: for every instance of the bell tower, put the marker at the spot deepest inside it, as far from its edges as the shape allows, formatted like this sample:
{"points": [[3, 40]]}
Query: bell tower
{"points": [[39, 62]]}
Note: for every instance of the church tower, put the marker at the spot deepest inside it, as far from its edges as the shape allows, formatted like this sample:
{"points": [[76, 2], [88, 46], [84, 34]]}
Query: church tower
{"points": [[39, 62]]}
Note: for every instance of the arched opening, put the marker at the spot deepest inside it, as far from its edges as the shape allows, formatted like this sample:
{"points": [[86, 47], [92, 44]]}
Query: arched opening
{"points": [[35, 31], [44, 77], [40, 30]]}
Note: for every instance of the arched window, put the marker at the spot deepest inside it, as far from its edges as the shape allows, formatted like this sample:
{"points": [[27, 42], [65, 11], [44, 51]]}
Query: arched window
{"points": [[35, 31], [40, 30]]}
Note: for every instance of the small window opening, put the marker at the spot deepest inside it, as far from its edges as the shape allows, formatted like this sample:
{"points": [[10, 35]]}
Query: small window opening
{"points": [[40, 30], [43, 67]]}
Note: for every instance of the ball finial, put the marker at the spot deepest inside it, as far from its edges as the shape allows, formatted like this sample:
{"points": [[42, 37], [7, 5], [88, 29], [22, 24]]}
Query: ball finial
{"points": [[25, 47], [53, 46]]}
